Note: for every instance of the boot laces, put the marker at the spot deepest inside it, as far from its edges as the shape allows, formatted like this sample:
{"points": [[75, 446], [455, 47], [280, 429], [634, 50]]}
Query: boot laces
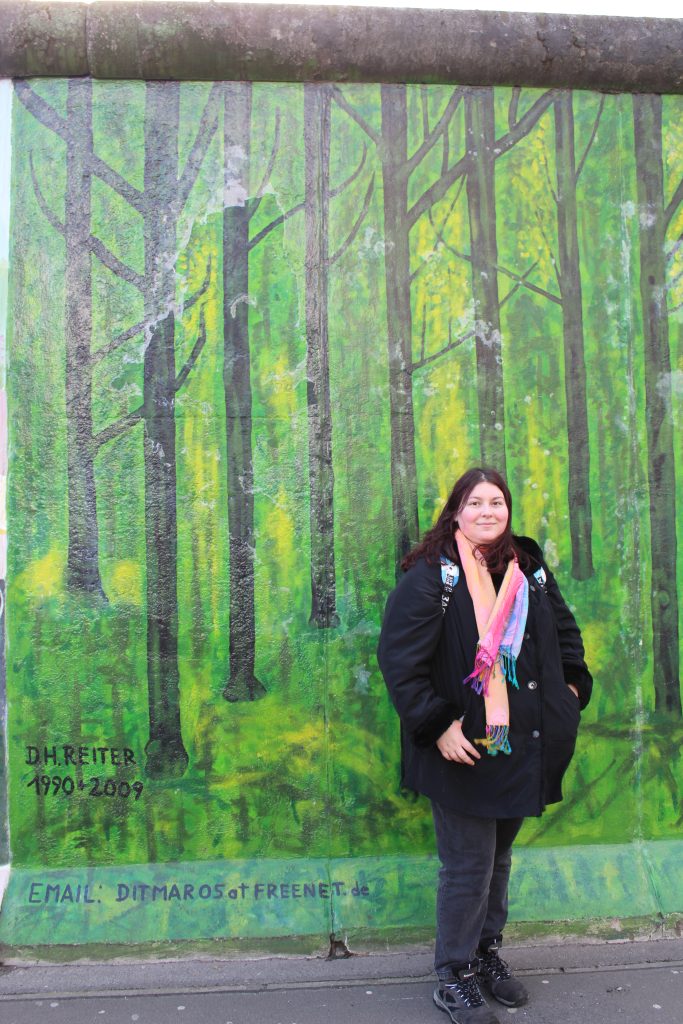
{"points": [[468, 990], [495, 966]]}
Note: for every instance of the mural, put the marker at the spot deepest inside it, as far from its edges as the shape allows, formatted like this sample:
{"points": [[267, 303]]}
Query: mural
{"points": [[255, 333], [5, 149]]}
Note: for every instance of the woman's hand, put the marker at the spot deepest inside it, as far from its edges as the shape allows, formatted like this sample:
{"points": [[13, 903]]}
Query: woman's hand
{"points": [[574, 690], [454, 746]]}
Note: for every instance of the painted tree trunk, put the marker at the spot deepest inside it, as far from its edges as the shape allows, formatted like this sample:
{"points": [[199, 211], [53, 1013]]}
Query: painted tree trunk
{"points": [[647, 121], [82, 568], [481, 202], [580, 519], [166, 754], [399, 318], [317, 102], [242, 683], [635, 555]]}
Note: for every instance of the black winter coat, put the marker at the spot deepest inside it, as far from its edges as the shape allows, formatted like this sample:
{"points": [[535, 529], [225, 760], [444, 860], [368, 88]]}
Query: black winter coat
{"points": [[424, 657]]}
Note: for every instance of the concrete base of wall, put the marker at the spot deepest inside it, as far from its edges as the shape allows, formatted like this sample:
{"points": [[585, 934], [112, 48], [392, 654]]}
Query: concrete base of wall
{"points": [[298, 906], [537, 934]]}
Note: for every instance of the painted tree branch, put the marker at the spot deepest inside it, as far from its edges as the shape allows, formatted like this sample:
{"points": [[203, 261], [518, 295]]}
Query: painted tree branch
{"points": [[118, 341], [207, 129], [525, 123], [452, 343], [423, 331], [333, 193], [445, 153], [521, 128], [591, 140], [118, 427], [40, 108], [338, 189], [49, 118], [418, 270], [117, 266], [271, 162], [144, 325], [356, 227], [132, 195], [342, 102], [675, 248], [49, 215], [441, 127], [194, 354], [674, 281], [513, 107], [520, 279], [454, 203], [424, 102], [196, 295], [549, 251], [438, 190], [674, 204], [528, 285], [439, 231], [551, 187], [519, 283], [253, 242]]}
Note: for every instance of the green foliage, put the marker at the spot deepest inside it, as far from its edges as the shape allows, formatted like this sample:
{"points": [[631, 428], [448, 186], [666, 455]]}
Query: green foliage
{"points": [[312, 769]]}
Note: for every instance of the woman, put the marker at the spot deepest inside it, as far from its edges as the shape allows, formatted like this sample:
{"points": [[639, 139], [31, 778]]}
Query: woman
{"points": [[485, 665]]}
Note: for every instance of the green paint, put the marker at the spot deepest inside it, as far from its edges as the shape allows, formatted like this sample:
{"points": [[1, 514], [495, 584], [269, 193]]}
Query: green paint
{"points": [[355, 896], [304, 782]]}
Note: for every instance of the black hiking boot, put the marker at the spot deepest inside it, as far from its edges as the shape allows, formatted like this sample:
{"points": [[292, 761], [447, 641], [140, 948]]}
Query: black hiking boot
{"points": [[496, 976], [460, 997]]}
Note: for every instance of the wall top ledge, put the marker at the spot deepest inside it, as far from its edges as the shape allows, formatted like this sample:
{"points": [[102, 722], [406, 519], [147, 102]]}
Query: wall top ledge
{"points": [[276, 43]]}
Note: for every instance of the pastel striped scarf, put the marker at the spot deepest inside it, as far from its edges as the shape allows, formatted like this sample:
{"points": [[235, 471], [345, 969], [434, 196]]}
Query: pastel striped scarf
{"points": [[501, 620]]}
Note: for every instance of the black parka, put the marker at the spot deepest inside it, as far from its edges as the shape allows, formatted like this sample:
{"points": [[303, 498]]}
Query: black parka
{"points": [[425, 656]]}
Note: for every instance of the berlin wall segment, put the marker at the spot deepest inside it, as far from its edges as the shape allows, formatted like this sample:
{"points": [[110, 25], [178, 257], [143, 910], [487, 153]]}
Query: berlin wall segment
{"points": [[253, 42], [232, 417]]}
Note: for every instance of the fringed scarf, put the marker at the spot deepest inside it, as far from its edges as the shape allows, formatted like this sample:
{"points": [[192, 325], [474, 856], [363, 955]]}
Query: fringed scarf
{"points": [[501, 620]]}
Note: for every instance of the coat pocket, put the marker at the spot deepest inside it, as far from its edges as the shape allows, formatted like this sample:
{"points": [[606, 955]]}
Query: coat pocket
{"points": [[561, 717]]}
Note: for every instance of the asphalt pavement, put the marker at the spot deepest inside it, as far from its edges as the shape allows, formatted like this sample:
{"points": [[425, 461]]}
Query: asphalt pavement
{"points": [[616, 982]]}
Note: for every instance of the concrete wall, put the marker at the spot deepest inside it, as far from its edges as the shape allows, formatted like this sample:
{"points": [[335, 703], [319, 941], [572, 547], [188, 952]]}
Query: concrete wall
{"points": [[254, 332]]}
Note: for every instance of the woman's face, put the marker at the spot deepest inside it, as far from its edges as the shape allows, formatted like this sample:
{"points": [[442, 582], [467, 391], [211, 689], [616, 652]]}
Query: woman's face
{"points": [[484, 515]]}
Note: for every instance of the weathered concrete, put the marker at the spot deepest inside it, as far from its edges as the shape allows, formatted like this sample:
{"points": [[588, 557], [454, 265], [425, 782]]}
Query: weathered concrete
{"points": [[205, 41], [610, 982], [214, 971]]}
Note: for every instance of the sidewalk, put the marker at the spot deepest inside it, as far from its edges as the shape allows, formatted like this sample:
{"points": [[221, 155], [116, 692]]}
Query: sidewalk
{"points": [[605, 983]]}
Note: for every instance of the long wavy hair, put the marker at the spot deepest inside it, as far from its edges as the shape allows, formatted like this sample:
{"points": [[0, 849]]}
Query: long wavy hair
{"points": [[441, 538]]}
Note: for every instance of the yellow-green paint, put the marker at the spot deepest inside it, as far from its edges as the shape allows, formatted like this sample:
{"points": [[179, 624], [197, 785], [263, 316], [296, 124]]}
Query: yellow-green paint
{"points": [[304, 780]]}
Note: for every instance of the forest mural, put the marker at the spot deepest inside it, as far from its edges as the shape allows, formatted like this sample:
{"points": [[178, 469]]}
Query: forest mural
{"points": [[255, 332]]}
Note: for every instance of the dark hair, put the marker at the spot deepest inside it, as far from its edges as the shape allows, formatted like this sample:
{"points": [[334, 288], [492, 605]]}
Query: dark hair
{"points": [[441, 538]]}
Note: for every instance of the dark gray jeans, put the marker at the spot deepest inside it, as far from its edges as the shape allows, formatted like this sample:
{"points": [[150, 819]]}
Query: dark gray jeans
{"points": [[472, 900]]}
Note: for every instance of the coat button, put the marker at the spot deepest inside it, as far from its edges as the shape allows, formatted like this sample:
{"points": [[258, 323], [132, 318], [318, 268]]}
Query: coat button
{"points": [[532, 684], [535, 734], [527, 636]]}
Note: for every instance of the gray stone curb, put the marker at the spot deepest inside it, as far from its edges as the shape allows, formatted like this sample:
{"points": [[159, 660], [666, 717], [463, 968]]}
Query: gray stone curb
{"points": [[214, 41]]}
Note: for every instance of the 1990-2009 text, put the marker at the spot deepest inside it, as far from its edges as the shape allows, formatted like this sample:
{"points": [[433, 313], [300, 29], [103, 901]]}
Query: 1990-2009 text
{"points": [[54, 784]]}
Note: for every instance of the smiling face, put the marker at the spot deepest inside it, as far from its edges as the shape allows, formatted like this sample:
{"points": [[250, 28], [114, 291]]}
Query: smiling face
{"points": [[484, 514]]}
